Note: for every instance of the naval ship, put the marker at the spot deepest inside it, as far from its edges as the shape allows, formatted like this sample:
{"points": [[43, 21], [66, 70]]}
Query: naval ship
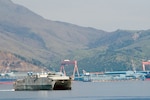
{"points": [[44, 81]]}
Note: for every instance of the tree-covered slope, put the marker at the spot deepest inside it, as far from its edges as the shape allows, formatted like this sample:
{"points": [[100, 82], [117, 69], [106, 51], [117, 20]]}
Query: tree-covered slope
{"points": [[45, 42], [122, 50], [27, 34]]}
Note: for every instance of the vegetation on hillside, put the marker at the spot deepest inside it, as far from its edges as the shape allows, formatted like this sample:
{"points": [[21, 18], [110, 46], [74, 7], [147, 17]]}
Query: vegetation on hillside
{"points": [[13, 63], [125, 50], [36, 41]]}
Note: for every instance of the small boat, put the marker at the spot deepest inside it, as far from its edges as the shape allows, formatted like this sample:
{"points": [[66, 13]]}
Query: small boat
{"points": [[147, 76], [7, 78], [44, 81]]}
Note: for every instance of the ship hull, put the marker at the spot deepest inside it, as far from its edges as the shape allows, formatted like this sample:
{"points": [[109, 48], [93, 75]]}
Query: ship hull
{"points": [[62, 85], [33, 83], [147, 77]]}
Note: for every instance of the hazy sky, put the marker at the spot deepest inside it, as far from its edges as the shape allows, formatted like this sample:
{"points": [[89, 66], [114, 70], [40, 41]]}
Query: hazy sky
{"points": [[108, 15]]}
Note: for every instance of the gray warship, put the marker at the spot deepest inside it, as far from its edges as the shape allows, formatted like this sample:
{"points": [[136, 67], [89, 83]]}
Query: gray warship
{"points": [[44, 81]]}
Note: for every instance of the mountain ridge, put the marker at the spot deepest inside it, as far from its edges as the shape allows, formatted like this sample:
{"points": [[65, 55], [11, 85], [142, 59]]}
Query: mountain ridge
{"points": [[48, 42]]}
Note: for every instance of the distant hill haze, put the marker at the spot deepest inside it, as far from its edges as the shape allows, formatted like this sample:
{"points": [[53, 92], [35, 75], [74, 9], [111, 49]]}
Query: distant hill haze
{"points": [[46, 43]]}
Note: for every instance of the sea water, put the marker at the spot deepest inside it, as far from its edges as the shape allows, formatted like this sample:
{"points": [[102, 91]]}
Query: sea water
{"points": [[119, 90]]}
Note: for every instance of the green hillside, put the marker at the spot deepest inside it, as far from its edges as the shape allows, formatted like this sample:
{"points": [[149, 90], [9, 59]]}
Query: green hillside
{"points": [[45, 42], [123, 50]]}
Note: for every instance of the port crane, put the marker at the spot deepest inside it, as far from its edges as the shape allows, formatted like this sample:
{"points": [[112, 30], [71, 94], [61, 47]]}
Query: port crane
{"points": [[145, 63], [67, 62]]}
